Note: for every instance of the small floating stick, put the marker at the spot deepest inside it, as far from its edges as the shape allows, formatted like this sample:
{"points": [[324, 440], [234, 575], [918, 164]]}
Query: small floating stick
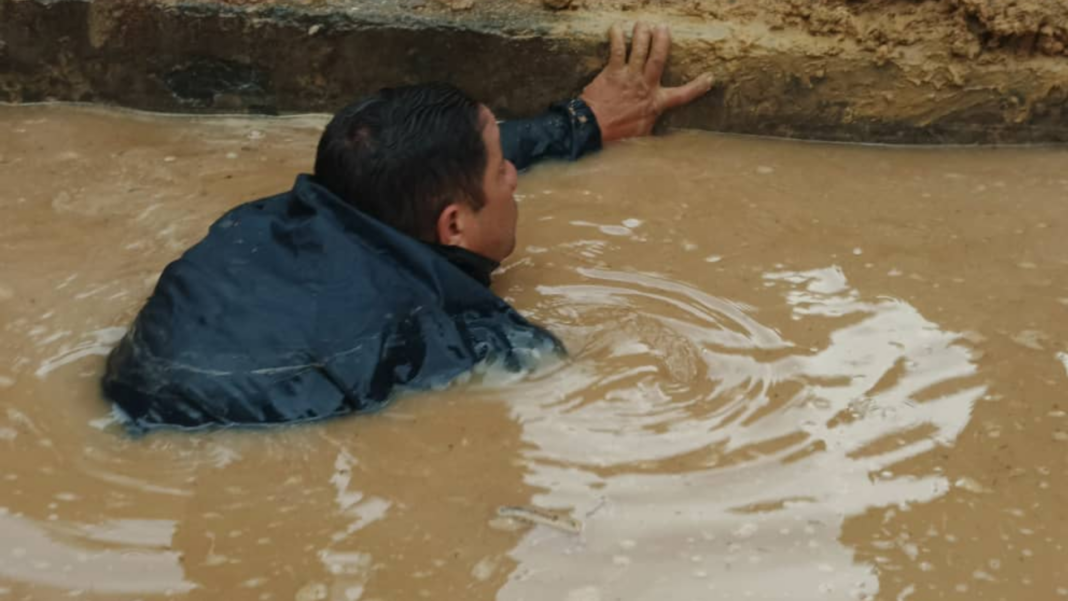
{"points": [[536, 515]]}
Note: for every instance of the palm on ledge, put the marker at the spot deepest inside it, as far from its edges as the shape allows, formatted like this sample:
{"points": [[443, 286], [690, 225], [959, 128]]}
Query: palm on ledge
{"points": [[626, 97]]}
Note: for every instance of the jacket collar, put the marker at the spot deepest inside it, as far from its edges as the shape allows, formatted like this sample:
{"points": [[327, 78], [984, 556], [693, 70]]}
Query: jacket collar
{"points": [[473, 264]]}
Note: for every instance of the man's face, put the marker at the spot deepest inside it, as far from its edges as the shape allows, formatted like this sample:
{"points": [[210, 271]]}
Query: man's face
{"points": [[490, 231]]}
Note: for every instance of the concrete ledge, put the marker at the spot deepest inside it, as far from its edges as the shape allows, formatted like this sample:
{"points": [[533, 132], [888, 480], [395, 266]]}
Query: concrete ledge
{"points": [[284, 56]]}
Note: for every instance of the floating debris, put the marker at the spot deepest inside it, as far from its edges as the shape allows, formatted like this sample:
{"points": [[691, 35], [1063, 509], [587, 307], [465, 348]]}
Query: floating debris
{"points": [[536, 515]]}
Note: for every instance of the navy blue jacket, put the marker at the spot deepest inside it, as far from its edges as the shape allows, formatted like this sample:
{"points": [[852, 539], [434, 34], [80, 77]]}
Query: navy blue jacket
{"points": [[299, 307]]}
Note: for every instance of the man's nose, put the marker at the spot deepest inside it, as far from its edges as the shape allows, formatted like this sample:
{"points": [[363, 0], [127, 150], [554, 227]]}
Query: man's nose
{"points": [[513, 173]]}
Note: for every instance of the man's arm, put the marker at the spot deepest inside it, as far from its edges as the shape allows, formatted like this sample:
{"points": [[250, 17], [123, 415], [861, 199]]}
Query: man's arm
{"points": [[567, 130], [623, 101]]}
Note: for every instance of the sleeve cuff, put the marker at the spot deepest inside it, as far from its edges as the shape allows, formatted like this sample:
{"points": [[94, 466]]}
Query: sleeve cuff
{"points": [[585, 132]]}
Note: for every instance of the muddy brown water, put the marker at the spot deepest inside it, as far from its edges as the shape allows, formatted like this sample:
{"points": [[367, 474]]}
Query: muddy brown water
{"points": [[799, 371]]}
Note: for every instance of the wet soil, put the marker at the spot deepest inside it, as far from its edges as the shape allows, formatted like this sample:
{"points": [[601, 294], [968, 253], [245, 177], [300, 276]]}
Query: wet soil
{"points": [[935, 71], [991, 29], [798, 371]]}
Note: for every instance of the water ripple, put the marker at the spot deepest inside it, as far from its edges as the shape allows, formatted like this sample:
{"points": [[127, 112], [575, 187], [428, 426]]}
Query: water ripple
{"points": [[687, 428]]}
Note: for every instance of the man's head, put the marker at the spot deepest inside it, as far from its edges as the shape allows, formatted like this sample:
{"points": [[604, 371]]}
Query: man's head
{"points": [[427, 161]]}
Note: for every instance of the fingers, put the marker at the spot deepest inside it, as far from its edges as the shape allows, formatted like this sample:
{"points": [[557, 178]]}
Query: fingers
{"points": [[654, 69], [685, 94], [617, 57], [639, 47]]}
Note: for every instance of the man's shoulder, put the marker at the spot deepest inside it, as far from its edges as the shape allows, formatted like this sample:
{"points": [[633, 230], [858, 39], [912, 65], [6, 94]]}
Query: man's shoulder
{"points": [[276, 205]]}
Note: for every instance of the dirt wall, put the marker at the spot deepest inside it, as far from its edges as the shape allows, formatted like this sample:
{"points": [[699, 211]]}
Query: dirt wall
{"points": [[936, 71]]}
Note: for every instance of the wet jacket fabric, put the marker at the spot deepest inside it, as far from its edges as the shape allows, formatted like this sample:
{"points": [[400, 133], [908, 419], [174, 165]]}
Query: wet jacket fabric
{"points": [[299, 307]]}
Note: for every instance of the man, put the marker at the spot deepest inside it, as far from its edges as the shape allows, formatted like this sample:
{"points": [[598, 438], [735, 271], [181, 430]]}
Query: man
{"points": [[372, 275]]}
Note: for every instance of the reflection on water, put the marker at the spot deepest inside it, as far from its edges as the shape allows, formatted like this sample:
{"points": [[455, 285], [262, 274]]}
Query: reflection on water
{"points": [[64, 556], [774, 391], [98, 343], [714, 457]]}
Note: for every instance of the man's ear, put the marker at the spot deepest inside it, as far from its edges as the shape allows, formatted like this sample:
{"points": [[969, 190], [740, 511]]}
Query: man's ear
{"points": [[451, 225]]}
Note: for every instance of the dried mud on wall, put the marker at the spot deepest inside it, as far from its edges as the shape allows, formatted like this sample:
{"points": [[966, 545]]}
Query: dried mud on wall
{"points": [[884, 70], [931, 71], [961, 28]]}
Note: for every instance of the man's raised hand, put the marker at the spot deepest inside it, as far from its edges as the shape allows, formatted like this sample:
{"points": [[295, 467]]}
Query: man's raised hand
{"points": [[626, 97]]}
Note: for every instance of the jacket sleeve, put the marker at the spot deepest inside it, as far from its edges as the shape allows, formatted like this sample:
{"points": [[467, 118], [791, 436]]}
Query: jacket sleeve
{"points": [[567, 130]]}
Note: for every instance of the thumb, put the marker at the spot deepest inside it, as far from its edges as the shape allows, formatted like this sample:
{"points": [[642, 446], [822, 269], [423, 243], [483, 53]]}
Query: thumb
{"points": [[685, 94]]}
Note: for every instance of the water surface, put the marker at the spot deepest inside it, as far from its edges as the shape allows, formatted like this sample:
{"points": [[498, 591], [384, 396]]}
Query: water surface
{"points": [[799, 371]]}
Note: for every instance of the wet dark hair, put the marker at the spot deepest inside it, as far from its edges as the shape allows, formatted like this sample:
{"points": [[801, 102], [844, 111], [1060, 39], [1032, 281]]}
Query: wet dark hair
{"points": [[404, 154]]}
